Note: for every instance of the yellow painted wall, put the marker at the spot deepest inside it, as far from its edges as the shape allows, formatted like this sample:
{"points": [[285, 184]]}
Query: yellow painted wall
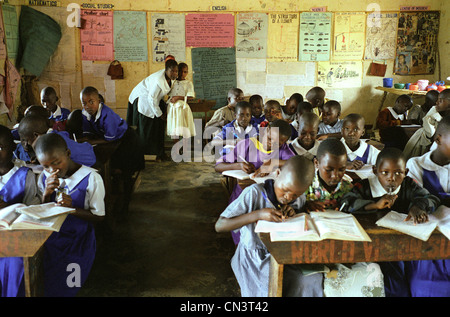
{"points": [[365, 100]]}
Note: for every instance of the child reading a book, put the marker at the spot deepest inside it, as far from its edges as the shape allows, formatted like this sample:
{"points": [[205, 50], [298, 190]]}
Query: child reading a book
{"points": [[329, 184], [270, 201], [359, 153], [306, 143], [391, 189], [70, 185], [432, 170], [17, 185]]}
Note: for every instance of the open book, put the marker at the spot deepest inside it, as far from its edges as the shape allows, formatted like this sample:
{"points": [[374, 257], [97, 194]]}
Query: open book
{"points": [[11, 219], [329, 224], [440, 219], [241, 175]]}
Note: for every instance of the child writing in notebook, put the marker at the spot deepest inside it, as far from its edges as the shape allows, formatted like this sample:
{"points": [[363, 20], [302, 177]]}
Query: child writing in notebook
{"points": [[331, 125], [359, 153], [257, 103], [70, 185], [58, 114], [239, 129], [17, 185], [432, 171], [329, 184], [306, 143], [268, 201], [391, 189]]}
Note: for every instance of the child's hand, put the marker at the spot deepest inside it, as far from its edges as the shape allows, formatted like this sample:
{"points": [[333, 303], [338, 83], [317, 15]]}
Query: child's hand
{"points": [[270, 214], [315, 206], [355, 165], [3, 204], [385, 201], [287, 211], [418, 215], [247, 167], [51, 183], [266, 168], [64, 200]]}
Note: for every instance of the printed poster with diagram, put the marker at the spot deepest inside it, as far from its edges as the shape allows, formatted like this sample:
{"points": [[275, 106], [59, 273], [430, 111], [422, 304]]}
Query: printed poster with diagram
{"points": [[130, 36], [283, 37], [381, 35], [251, 35], [416, 43], [97, 35], [210, 30], [339, 74], [315, 36], [349, 35], [168, 36]]}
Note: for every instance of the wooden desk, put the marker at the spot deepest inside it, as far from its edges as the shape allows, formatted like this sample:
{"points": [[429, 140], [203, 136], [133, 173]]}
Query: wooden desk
{"points": [[386, 245], [202, 106], [27, 244]]}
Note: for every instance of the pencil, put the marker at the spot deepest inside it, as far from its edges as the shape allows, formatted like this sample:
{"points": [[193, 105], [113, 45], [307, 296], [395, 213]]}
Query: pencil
{"points": [[243, 159]]}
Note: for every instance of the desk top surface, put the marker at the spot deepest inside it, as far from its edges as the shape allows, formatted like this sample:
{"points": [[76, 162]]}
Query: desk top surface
{"points": [[22, 243], [386, 245]]}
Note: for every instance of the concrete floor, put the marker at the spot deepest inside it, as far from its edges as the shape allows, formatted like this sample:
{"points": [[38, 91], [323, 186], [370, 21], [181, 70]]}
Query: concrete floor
{"points": [[167, 246]]}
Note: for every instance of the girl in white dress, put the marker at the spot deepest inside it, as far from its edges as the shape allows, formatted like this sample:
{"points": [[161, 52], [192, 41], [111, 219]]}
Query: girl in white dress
{"points": [[180, 122]]}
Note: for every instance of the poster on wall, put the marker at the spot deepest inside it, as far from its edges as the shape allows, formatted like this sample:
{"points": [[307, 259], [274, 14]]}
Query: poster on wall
{"points": [[315, 36], [97, 35], [416, 43], [11, 25], [130, 36], [210, 30], [251, 35], [283, 37], [168, 36], [381, 34], [339, 74], [214, 73], [349, 35]]}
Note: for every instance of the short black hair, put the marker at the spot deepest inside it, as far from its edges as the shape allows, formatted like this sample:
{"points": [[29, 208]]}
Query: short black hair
{"points": [[243, 105], [390, 153], [170, 63], [304, 106], [405, 97], [50, 143], [297, 97], [31, 124], [334, 104], [353, 117], [234, 92], [443, 126], [331, 146], [273, 104], [283, 127], [255, 98], [6, 135], [89, 90]]}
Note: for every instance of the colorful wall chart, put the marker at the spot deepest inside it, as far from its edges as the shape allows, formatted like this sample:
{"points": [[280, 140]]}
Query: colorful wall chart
{"points": [[130, 36], [168, 36], [251, 35], [349, 35], [315, 36], [283, 37], [210, 30], [97, 35]]}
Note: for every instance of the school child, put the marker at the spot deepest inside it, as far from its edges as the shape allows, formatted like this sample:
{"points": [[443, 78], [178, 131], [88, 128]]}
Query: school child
{"points": [[432, 171], [239, 129], [306, 143], [268, 201], [417, 112], [391, 189], [179, 115], [316, 96], [358, 153], [420, 141], [289, 111], [226, 114], [58, 114], [272, 112], [390, 118], [257, 103], [331, 125], [70, 185], [302, 108], [33, 125], [102, 125], [329, 184], [17, 185]]}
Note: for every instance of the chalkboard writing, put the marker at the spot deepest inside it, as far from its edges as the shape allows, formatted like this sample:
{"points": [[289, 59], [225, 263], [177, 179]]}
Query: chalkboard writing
{"points": [[214, 73]]}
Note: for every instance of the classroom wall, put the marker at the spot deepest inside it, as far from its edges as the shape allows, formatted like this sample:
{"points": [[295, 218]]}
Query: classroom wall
{"points": [[365, 100]]}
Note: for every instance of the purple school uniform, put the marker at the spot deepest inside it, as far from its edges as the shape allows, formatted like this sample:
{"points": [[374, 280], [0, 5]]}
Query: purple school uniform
{"points": [[257, 121], [365, 156], [11, 269], [74, 243], [63, 116], [106, 124]]}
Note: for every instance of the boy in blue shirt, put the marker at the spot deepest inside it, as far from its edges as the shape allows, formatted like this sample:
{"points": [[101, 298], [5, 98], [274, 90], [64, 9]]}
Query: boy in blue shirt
{"points": [[58, 114]]}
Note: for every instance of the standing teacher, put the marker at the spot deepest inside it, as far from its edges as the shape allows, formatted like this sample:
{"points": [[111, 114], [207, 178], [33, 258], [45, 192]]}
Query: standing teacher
{"points": [[147, 109]]}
